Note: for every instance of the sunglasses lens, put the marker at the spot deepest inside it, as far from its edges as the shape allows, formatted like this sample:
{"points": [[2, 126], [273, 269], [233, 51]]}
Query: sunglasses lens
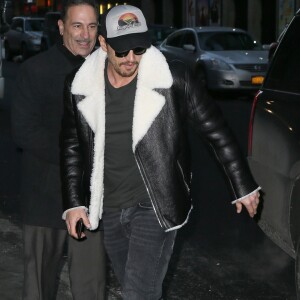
{"points": [[121, 54], [139, 51], [136, 51]]}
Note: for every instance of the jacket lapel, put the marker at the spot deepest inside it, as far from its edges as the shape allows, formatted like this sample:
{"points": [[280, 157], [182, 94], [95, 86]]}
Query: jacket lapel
{"points": [[89, 82], [153, 74]]}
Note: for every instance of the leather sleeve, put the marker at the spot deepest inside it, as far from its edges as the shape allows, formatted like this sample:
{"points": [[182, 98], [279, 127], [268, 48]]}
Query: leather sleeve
{"points": [[206, 118], [71, 159]]}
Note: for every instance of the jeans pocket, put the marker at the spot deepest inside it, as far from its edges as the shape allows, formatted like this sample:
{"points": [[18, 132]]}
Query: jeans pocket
{"points": [[145, 205]]}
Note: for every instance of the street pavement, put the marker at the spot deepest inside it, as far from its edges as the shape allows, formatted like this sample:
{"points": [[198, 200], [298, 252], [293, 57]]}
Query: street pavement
{"points": [[201, 268], [218, 255]]}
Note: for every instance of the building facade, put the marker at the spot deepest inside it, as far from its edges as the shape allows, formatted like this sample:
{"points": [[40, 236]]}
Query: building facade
{"points": [[264, 19]]}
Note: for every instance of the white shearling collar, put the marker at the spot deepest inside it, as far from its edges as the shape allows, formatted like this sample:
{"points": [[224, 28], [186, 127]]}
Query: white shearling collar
{"points": [[153, 74]]}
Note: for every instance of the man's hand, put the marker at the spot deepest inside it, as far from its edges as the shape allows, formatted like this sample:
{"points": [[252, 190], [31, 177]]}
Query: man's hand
{"points": [[251, 203], [71, 219]]}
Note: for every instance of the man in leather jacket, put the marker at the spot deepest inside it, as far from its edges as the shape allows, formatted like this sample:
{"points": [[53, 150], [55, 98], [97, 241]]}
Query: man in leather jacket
{"points": [[125, 152], [37, 110]]}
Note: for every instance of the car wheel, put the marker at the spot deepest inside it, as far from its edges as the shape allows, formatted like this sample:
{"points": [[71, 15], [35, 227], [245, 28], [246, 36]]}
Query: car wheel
{"points": [[24, 51], [201, 77], [7, 54], [297, 270]]}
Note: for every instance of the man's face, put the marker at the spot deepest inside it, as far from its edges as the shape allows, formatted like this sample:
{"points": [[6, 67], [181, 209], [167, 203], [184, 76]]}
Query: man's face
{"points": [[79, 31], [124, 66]]}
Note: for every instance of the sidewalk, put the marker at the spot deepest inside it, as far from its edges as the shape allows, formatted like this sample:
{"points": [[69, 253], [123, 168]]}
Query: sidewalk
{"points": [[195, 272]]}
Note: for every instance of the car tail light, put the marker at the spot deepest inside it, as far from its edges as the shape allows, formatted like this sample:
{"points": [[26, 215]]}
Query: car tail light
{"points": [[250, 132]]}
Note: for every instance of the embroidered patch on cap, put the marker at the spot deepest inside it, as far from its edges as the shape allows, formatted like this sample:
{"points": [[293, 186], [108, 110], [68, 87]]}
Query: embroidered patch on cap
{"points": [[129, 21]]}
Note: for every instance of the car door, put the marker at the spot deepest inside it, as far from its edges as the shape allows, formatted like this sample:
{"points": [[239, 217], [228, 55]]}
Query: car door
{"points": [[274, 147], [182, 45], [172, 45], [15, 35], [190, 53], [1, 77]]}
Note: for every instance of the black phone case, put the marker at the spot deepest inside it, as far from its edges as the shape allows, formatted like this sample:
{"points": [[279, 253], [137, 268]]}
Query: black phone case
{"points": [[79, 228]]}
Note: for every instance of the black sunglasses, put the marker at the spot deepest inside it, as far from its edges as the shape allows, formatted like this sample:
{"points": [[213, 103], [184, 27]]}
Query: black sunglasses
{"points": [[136, 51]]}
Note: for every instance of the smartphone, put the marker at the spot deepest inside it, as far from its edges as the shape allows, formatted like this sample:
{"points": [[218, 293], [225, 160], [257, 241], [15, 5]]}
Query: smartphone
{"points": [[79, 228]]}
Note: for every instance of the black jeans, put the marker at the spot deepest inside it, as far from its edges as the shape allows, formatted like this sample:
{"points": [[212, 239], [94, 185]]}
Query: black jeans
{"points": [[139, 249]]}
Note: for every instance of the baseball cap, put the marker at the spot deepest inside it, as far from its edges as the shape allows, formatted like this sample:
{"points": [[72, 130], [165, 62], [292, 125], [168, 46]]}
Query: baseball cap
{"points": [[124, 27]]}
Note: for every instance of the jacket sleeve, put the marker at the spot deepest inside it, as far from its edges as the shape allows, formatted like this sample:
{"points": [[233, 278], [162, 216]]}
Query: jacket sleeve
{"points": [[28, 130], [71, 157], [206, 118]]}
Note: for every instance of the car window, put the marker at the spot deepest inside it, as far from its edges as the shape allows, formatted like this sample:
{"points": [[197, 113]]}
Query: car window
{"points": [[225, 41], [189, 38], [17, 23], [175, 40], [284, 73], [34, 25], [159, 33]]}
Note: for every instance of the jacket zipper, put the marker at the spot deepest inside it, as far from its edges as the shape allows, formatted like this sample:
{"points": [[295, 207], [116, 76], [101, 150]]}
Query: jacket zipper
{"points": [[148, 188], [91, 156], [183, 177]]}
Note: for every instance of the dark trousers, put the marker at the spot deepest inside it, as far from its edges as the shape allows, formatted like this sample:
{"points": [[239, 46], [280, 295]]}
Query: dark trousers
{"points": [[87, 266], [139, 249], [43, 253]]}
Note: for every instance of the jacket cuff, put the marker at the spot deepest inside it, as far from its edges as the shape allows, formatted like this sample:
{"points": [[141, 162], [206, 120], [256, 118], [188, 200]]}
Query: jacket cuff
{"points": [[240, 199], [64, 215]]}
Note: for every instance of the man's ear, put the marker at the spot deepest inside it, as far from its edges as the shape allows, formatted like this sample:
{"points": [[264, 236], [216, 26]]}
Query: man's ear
{"points": [[60, 24], [102, 43]]}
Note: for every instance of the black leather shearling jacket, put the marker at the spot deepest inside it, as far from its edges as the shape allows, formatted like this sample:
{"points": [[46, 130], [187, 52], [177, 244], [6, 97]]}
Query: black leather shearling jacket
{"points": [[167, 102]]}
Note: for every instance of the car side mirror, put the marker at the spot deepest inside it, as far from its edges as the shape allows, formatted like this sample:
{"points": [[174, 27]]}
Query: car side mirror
{"points": [[189, 47], [20, 29], [272, 50], [266, 46]]}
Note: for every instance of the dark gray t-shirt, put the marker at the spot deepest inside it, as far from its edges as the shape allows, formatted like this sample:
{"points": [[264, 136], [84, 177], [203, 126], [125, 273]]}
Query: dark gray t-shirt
{"points": [[123, 184]]}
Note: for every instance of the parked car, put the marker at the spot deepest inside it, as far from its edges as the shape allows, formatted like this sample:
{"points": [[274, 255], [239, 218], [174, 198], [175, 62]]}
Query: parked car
{"points": [[50, 30], [222, 58], [274, 146], [23, 37], [1, 75]]}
